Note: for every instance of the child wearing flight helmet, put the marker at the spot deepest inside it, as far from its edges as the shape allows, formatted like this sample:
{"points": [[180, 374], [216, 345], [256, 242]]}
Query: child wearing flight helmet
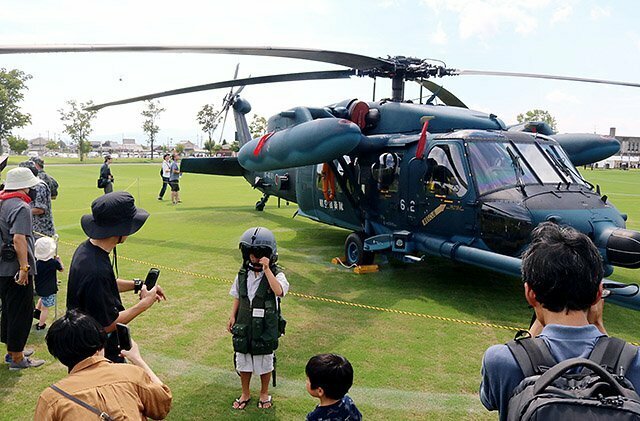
{"points": [[255, 314]]}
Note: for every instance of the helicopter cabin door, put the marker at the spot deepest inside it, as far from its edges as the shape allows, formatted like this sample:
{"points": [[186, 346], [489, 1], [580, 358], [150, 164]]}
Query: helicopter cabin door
{"points": [[438, 191], [321, 197]]}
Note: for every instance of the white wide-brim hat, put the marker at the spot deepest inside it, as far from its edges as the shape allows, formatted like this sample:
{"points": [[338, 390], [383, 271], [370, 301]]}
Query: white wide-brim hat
{"points": [[20, 178], [45, 248]]}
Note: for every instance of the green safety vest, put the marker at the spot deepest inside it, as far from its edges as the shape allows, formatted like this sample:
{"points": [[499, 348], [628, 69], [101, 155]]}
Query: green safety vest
{"points": [[259, 323]]}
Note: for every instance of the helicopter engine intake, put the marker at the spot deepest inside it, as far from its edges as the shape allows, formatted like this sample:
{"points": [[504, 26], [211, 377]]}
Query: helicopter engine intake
{"points": [[623, 248]]}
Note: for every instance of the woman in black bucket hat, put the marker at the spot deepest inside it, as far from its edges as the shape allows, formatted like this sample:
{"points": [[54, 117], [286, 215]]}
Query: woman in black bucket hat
{"points": [[93, 287]]}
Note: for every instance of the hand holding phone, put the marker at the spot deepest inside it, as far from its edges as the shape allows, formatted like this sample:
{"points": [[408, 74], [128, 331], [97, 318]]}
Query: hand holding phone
{"points": [[124, 338], [152, 278]]}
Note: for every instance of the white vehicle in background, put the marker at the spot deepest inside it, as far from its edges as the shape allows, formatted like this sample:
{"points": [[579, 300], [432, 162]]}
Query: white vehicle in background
{"points": [[32, 154]]}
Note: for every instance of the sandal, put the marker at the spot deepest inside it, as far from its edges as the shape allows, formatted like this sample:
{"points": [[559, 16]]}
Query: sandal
{"points": [[265, 404], [239, 405]]}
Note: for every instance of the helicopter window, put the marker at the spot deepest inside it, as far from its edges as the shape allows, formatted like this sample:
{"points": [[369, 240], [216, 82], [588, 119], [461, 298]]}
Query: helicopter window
{"points": [[541, 166], [496, 166], [385, 172], [558, 155], [445, 173]]}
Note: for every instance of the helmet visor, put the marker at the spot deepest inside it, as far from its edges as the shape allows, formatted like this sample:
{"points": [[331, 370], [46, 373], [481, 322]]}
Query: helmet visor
{"points": [[260, 252]]}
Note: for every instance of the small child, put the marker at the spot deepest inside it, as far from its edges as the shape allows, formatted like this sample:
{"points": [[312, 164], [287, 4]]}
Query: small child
{"points": [[329, 377], [46, 281], [255, 320]]}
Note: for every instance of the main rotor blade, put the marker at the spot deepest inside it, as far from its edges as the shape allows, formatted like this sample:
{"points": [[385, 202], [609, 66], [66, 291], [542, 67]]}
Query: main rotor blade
{"points": [[288, 77], [354, 61], [540, 76], [445, 96]]}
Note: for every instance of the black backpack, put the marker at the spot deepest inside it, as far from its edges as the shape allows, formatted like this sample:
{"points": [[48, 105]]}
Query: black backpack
{"points": [[557, 391]]}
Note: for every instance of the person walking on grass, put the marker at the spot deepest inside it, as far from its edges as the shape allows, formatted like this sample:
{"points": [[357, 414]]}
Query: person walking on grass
{"points": [[46, 280], [106, 176], [165, 173]]}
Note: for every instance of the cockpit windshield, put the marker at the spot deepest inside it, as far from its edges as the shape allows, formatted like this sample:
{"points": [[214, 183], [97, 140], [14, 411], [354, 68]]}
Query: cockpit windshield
{"points": [[499, 165]]}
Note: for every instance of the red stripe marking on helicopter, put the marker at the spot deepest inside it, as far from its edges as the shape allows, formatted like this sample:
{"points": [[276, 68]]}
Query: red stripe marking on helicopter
{"points": [[422, 143], [261, 143]]}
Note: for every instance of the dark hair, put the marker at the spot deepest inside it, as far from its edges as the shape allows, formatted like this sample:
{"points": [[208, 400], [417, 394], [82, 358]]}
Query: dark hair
{"points": [[165, 155], [332, 372], [563, 268], [38, 161], [74, 337], [31, 165], [107, 157]]}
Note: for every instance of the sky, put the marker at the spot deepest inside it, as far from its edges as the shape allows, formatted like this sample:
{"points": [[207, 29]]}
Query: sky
{"points": [[583, 38]]}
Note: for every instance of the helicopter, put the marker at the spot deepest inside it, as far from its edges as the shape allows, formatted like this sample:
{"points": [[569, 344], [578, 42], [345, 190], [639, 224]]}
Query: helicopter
{"points": [[410, 179]]}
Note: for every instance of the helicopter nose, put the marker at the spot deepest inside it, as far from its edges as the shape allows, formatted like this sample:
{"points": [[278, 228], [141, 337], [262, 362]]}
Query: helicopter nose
{"points": [[623, 248]]}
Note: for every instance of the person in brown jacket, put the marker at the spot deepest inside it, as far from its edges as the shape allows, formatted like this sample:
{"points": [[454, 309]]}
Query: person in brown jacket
{"points": [[121, 391]]}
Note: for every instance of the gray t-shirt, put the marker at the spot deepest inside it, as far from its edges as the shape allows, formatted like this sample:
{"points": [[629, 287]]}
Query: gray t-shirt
{"points": [[174, 176], [15, 218]]}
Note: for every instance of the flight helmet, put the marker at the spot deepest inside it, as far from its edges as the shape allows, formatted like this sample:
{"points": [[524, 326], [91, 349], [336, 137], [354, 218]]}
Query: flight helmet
{"points": [[260, 242]]}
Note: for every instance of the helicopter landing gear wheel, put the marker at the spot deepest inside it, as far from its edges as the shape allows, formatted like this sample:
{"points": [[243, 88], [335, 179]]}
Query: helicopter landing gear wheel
{"points": [[354, 250], [262, 202]]}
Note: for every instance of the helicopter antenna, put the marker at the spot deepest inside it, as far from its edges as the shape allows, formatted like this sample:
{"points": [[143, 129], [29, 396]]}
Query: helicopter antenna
{"points": [[374, 89], [421, 91]]}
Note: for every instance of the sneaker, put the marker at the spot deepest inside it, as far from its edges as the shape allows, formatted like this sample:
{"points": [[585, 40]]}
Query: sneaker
{"points": [[25, 363], [159, 198], [38, 327], [26, 353], [36, 314]]}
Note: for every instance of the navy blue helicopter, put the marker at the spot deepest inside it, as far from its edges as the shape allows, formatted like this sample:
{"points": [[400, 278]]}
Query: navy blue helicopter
{"points": [[413, 179]]}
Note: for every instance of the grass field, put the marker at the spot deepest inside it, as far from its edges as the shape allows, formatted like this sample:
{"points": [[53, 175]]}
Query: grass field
{"points": [[407, 365]]}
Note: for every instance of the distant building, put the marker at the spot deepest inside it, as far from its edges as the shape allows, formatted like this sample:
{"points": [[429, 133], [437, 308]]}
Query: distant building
{"points": [[629, 145], [128, 148], [38, 145], [629, 155]]}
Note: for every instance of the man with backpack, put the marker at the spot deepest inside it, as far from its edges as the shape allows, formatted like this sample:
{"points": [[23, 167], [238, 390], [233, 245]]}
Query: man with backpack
{"points": [[562, 273]]}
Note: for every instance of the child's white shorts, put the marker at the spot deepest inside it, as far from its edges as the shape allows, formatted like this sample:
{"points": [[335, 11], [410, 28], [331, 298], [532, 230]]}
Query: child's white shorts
{"points": [[257, 364]]}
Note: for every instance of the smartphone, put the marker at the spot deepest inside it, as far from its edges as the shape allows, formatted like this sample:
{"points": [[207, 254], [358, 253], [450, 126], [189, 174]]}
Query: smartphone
{"points": [[124, 339], [152, 278]]}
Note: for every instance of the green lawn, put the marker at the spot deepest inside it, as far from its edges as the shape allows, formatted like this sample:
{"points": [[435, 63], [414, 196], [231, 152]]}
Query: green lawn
{"points": [[406, 366]]}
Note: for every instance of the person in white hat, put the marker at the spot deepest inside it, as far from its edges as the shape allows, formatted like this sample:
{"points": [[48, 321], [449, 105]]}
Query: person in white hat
{"points": [[17, 266], [46, 280]]}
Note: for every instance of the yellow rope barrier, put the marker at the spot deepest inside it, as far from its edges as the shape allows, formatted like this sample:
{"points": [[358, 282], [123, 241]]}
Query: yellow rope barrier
{"points": [[330, 300]]}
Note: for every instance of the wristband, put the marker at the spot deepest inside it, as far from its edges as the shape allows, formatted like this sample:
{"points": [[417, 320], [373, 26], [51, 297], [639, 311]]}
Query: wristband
{"points": [[25, 268], [137, 285]]}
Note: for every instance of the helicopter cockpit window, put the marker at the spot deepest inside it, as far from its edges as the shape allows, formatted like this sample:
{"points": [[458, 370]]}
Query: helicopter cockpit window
{"points": [[497, 165], [560, 158], [385, 172], [445, 172], [540, 164]]}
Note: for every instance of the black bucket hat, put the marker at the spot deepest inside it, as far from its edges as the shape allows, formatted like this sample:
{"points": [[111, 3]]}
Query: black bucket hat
{"points": [[113, 215]]}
